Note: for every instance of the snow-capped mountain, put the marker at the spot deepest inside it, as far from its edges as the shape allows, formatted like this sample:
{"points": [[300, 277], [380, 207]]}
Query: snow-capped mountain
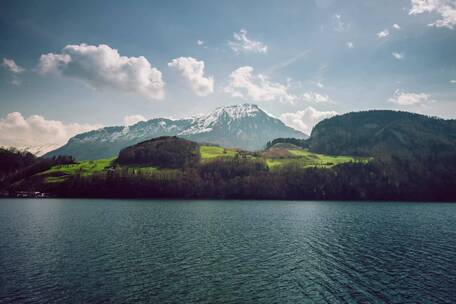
{"points": [[243, 126]]}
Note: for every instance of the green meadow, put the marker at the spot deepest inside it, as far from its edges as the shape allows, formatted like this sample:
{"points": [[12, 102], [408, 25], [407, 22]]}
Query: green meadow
{"points": [[83, 168], [211, 152], [305, 159], [297, 157]]}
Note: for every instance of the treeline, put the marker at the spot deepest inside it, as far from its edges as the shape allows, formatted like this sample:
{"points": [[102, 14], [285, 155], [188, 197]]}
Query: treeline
{"points": [[239, 178], [32, 167], [302, 143]]}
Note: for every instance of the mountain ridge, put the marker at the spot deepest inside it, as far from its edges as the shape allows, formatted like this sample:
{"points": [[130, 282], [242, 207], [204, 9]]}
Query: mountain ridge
{"points": [[244, 126]]}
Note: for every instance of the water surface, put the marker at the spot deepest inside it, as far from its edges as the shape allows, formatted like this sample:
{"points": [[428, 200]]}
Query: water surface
{"points": [[126, 251]]}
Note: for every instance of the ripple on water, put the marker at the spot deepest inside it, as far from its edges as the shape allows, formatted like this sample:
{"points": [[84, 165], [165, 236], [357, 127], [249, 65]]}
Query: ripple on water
{"points": [[54, 251]]}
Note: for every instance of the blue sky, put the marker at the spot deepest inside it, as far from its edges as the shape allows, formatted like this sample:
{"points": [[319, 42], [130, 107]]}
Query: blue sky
{"points": [[69, 67]]}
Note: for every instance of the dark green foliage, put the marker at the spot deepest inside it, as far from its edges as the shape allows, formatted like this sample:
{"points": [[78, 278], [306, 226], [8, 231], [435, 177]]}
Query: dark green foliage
{"points": [[302, 143], [39, 165], [163, 152], [223, 169], [384, 134], [239, 178], [12, 160], [380, 134]]}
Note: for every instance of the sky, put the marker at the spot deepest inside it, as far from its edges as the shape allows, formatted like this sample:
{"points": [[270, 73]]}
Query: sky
{"points": [[69, 67]]}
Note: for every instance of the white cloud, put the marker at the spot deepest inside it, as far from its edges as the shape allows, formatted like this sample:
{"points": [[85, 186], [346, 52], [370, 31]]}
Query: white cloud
{"points": [[133, 119], [36, 131], [445, 8], [315, 97], [396, 26], [452, 81], [306, 119], [52, 63], [383, 33], [11, 66], [338, 24], [199, 42], [350, 45], [242, 43], [192, 71], [409, 99], [398, 56], [244, 84], [102, 67]]}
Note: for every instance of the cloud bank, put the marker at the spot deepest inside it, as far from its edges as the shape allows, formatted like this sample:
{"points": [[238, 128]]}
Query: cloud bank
{"points": [[445, 8], [36, 131], [192, 71], [102, 67], [244, 84], [409, 99], [306, 119]]}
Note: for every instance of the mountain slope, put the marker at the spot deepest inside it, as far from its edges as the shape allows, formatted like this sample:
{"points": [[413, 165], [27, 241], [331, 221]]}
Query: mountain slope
{"points": [[379, 133], [243, 126]]}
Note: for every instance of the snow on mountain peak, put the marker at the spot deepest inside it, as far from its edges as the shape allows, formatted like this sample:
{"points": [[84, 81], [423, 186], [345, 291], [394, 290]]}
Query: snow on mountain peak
{"points": [[239, 111], [227, 114], [244, 126]]}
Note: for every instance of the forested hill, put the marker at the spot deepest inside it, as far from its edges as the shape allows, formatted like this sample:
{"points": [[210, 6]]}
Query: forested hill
{"points": [[382, 134], [12, 160]]}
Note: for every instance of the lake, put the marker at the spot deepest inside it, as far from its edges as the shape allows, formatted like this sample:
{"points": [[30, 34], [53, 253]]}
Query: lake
{"points": [[129, 251]]}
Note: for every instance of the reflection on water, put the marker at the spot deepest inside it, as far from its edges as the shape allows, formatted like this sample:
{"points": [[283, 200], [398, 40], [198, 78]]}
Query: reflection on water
{"points": [[122, 251]]}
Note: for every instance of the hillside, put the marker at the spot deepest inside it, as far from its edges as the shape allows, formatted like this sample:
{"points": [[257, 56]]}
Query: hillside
{"points": [[286, 154], [381, 134], [162, 152], [156, 156], [243, 126], [284, 171], [12, 160]]}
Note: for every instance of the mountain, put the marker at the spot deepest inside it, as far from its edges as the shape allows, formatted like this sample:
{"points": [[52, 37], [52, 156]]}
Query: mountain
{"points": [[244, 126], [381, 133]]}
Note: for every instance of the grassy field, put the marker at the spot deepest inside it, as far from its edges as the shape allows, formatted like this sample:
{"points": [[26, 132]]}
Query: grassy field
{"points": [[304, 159], [211, 152], [299, 157], [84, 168], [88, 167]]}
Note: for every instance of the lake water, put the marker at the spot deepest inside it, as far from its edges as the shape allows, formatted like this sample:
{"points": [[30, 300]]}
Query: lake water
{"points": [[122, 251]]}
